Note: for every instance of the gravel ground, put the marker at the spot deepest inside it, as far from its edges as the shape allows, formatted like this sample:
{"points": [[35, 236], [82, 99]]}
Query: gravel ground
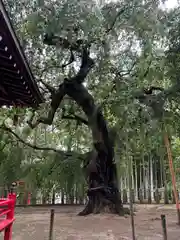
{"points": [[33, 223]]}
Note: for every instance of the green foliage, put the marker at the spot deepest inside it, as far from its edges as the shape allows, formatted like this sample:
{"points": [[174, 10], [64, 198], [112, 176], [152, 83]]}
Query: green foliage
{"points": [[130, 51]]}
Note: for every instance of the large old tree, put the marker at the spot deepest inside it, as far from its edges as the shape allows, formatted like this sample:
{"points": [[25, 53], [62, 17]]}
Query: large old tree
{"points": [[122, 67], [99, 167]]}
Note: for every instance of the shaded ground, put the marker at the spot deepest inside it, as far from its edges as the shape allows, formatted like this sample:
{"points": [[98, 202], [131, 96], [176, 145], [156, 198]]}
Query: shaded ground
{"points": [[33, 223]]}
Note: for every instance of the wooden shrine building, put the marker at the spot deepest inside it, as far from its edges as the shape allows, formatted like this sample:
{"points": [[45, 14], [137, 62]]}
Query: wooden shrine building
{"points": [[17, 84]]}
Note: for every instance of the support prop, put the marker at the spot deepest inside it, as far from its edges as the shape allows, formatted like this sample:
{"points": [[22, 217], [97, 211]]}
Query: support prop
{"points": [[167, 144]]}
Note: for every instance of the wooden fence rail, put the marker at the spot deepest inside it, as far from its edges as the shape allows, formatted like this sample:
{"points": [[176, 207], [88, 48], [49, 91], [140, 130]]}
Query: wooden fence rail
{"points": [[7, 206]]}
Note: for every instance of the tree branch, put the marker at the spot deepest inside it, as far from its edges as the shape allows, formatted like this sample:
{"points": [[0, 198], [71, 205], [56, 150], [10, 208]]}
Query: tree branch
{"points": [[76, 118], [147, 91], [56, 100], [86, 64], [156, 101], [50, 88], [5, 128], [3, 146], [71, 60], [115, 19]]}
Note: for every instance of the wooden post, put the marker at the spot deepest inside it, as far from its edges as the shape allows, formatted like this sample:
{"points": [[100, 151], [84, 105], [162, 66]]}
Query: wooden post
{"points": [[51, 225], [163, 222], [130, 197], [167, 144]]}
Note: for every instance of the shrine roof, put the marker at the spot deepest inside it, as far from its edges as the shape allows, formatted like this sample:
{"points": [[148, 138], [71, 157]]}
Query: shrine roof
{"points": [[17, 84]]}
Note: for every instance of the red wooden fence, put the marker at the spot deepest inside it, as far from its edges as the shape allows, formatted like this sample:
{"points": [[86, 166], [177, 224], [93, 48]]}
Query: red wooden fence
{"points": [[7, 206]]}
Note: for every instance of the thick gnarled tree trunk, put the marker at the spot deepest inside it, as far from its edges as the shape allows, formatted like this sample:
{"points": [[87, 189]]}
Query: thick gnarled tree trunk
{"points": [[101, 173], [103, 194]]}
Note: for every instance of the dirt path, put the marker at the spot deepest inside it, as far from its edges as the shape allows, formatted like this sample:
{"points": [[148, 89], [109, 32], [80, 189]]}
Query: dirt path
{"points": [[33, 223]]}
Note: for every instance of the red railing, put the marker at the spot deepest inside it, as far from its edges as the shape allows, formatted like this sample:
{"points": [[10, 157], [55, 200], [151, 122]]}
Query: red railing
{"points": [[7, 206]]}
